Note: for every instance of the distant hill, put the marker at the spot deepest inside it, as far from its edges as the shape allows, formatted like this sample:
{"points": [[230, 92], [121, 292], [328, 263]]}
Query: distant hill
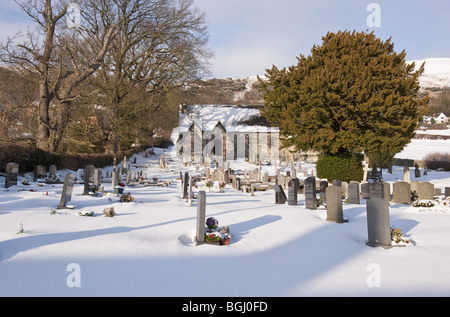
{"points": [[244, 91]]}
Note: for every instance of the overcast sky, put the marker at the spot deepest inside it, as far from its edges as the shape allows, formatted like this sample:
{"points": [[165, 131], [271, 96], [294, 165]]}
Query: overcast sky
{"points": [[249, 36]]}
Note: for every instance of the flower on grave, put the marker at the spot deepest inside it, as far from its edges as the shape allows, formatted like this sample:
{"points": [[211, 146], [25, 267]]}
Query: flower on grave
{"points": [[397, 236], [25, 181], [209, 183], [222, 184], [122, 184], [212, 223]]}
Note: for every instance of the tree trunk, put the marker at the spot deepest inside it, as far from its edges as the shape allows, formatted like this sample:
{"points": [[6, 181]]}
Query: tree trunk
{"points": [[44, 118]]}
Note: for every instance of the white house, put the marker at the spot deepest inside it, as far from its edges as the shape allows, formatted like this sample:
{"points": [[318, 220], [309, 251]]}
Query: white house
{"points": [[441, 118]]}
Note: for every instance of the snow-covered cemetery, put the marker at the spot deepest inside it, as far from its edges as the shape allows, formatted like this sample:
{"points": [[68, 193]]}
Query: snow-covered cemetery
{"points": [[126, 170], [133, 229]]}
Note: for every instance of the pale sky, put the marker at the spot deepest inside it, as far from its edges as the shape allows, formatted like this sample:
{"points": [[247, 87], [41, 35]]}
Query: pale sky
{"points": [[249, 36]]}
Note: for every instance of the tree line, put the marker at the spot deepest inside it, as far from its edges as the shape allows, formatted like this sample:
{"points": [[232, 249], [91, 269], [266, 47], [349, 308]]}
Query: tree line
{"points": [[99, 75]]}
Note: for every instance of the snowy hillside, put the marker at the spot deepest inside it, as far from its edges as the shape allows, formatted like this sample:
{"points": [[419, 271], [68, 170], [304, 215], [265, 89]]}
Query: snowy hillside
{"points": [[436, 74]]}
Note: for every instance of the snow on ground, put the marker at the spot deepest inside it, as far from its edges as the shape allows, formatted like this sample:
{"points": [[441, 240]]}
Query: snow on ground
{"points": [[147, 249]]}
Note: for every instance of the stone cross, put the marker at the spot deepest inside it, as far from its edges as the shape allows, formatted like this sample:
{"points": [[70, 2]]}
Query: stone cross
{"points": [[366, 170], [66, 195]]}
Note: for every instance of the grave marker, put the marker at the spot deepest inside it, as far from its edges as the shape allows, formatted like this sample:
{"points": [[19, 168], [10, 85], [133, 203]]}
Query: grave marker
{"points": [[66, 195], [334, 204], [11, 175], [292, 193], [353, 193], [280, 196], [201, 215], [401, 193], [310, 193], [378, 223]]}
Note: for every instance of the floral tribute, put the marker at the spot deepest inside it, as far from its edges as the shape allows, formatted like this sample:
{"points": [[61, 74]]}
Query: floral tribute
{"points": [[214, 234]]}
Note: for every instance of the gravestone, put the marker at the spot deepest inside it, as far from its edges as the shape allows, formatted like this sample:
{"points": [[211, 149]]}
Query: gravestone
{"points": [[334, 204], [447, 192], [425, 190], [365, 190], [52, 171], [406, 174], [322, 188], [376, 190], [280, 196], [201, 217], [185, 185], [310, 193], [88, 178], [238, 183], [353, 193], [66, 195], [292, 193], [39, 172], [416, 171], [11, 175], [378, 223], [401, 193]]}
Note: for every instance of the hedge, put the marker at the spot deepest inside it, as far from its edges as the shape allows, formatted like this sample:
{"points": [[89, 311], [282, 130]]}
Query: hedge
{"points": [[344, 166]]}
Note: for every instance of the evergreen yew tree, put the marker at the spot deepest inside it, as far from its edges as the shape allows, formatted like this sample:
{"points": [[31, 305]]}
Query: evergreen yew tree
{"points": [[353, 94]]}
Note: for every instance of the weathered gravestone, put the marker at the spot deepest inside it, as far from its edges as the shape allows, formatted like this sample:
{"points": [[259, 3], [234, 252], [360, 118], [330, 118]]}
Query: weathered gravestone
{"points": [[406, 174], [280, 196], [292, 192], [425, 190], [353, 193], [39, 172], [201, 215], [185, 185], [322, 188], [416, 171], [365, 190], [378, 223], [66, 195], [310, 193], [447, 192], [52, 171], [11, 175], [334, 204], [88, 178], [401, 193]]}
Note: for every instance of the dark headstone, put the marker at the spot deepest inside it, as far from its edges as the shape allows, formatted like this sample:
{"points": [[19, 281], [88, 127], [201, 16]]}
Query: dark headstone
{"points": [[11, 175], [378, 223], [292, 193], [66, 195], [310, 193], [280, 196]]}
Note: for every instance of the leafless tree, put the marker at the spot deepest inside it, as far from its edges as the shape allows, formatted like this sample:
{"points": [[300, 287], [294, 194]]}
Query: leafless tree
{"points": [[59, 57]]}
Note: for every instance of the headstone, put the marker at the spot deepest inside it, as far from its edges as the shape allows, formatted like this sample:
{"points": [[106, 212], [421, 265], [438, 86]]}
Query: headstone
{"points": [[238, 183], [353, 193], [310, 193], [425, 190], [66, 195], [322, 188], [292, 193], [378, 223], [88, 178], [11, 175], [39, 172], [52, 171], [366, 170], [406, 174], [401, 193], [416, 171], [185, 185], [447, 192], [201, 215], [334, 204], [376, 190], [280, 196], [365, 190]]}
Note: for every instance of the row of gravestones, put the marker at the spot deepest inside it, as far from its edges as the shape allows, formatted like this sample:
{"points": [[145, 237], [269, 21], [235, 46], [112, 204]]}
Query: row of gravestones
{"points": [[378, 222], [12, 173]]}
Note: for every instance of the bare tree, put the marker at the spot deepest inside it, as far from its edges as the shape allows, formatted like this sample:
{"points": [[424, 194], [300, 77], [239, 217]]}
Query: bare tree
{"points": [[55, 55], [160, 44]]}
